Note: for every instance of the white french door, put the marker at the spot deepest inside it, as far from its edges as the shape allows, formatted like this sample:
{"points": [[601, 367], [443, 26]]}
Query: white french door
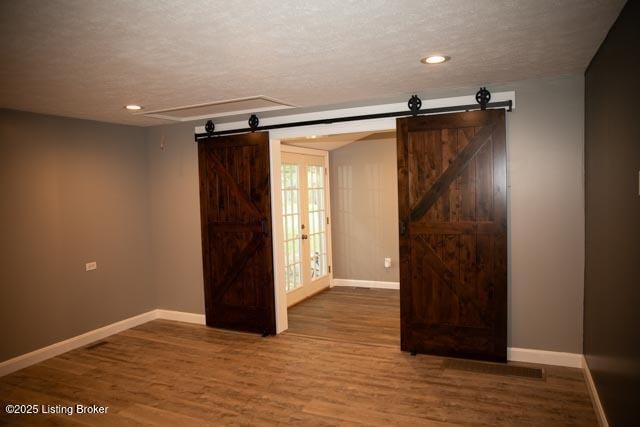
{"points": [[305, 220]]}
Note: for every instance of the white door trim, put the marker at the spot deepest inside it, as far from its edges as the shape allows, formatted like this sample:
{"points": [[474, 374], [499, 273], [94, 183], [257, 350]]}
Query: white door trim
{"points": [[275, 151]]}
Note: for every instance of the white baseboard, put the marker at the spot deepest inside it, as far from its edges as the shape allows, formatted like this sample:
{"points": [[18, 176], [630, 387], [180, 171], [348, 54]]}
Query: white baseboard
{"points": [[593, 392], [181, 316], [530, 355], [365, 284], [19, 362], [53, 350], [36, 356]]}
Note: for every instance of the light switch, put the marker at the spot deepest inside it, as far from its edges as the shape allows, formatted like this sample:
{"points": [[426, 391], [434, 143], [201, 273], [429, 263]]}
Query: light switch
{"points": [[91, 266]]}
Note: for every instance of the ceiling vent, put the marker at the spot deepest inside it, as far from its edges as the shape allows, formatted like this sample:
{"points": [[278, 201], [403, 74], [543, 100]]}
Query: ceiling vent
{"points": [[229, 107]]}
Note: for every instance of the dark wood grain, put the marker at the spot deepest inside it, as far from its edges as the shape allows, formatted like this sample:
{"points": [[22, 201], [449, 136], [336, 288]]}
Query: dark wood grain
{"points": [[240, 262], [235, 205], [441, 186], [453, 255], [464, 294]]}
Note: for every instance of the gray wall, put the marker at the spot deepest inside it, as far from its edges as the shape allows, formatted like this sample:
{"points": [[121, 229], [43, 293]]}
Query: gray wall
{"points": [[545, 138], [364, 210], [612, 290], [545, 145], [174, 200], [78, 191], [72, 191]]}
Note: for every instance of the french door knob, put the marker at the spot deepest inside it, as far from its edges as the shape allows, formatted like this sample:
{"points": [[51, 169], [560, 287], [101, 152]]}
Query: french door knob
{"points": [[304, 237]]}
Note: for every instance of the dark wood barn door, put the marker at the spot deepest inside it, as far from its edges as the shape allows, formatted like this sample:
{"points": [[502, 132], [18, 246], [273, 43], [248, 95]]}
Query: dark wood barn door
{"points": [[235, 210], [453, 234]]}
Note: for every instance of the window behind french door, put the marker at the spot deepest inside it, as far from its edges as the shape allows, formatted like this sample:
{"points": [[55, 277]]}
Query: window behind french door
{"points": [[305, 218]]}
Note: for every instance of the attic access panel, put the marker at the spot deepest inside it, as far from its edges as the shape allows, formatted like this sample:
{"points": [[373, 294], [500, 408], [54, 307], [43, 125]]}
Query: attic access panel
{"points": [[229, 107]]}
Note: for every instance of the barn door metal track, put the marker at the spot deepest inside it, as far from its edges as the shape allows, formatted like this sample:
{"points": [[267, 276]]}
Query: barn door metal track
{"points": [[483, 97]]}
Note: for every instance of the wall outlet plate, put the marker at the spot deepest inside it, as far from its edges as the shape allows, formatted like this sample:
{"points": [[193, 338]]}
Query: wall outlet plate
{"points": [[91, 266]]}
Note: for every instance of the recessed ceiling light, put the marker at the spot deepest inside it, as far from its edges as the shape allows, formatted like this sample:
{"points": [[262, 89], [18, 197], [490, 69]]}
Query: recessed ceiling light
{"points": [[133, 107], [434, 59]]}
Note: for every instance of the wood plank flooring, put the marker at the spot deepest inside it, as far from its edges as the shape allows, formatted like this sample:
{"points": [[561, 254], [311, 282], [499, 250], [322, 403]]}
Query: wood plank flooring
{"points": [[170, 373], [360, 315]]}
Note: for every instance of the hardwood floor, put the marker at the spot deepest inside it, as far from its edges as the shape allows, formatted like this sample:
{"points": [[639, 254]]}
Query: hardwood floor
{"points": [[170, 373], [361, 315]]}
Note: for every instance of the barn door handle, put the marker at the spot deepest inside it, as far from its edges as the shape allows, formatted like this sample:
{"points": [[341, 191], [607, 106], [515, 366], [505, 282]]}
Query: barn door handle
{"points": [[403, 228], [263, 227]]}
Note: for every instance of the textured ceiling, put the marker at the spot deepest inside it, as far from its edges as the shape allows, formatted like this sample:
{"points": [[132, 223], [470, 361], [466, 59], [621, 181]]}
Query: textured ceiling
{"points": [[87, 58]]}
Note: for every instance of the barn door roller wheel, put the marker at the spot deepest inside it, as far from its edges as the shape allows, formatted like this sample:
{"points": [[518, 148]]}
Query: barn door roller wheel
{"points": [[254, 122], [414, 104], [483, 96], [209, 127]]}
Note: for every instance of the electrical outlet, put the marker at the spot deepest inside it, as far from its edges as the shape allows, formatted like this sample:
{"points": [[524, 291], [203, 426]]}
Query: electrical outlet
{"points": [[387, 263], [91, 266]]}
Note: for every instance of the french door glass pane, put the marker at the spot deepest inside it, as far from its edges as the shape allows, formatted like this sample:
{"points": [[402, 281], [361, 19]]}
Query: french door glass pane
{"points": [[291, 225], [317, 218]]}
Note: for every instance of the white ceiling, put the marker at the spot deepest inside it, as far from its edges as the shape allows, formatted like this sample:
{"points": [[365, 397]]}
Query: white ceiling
{"points": [[88, 58], [333, 142]]}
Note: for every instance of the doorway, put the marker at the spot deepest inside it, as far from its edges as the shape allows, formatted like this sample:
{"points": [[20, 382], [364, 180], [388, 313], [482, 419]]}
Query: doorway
{"points": [[340, 299], [451, 183]]}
